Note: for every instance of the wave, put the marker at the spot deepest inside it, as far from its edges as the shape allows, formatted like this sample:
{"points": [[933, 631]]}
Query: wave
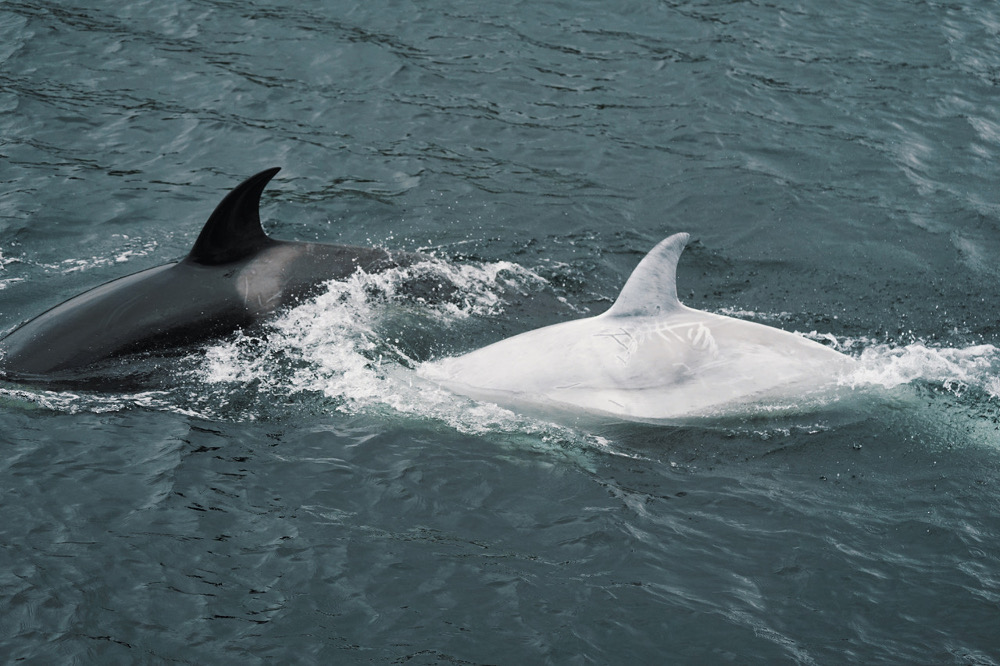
{"points": [[955, 370], [354, 348]]}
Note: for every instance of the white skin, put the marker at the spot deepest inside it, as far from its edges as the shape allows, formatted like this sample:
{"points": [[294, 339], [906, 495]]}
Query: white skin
{"points": [[648, 358]]}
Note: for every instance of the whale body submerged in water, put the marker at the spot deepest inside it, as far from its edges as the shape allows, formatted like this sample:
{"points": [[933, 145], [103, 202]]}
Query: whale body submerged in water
{"points": [[233, 277], [647, 359]]}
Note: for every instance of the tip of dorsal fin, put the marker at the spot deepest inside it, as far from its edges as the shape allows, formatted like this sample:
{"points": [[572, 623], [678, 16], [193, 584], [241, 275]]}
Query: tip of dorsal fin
{"points": [[233, 231], [652, 287]]}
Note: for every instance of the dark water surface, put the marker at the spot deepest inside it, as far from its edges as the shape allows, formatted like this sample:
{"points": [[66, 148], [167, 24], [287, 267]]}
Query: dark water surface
{"points": [[297, 499]]}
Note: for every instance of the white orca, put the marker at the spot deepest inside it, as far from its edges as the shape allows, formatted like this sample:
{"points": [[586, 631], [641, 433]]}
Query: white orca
{"points": [[647, 359]]}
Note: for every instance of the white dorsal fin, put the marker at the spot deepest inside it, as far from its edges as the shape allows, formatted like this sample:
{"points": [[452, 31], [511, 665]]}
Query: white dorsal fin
{"points": [[652, 287]]}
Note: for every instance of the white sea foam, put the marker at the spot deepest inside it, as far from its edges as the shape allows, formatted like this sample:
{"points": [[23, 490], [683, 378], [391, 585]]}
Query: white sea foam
{"points": [[6, 282], [333, 346], [129, 248], [953, 369], [337, 349], [977, 366], [4, 262]]}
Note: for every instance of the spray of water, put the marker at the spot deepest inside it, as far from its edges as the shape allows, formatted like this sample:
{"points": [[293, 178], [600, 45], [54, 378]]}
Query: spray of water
{"points": [[350, 350]]}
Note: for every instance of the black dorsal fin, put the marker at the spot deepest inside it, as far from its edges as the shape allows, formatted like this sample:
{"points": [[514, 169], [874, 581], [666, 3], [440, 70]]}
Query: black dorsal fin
{"points": [[233, 231]]}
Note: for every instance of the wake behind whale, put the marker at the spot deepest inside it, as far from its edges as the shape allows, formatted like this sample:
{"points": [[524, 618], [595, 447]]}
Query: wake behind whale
{"points": [[648, 359]]}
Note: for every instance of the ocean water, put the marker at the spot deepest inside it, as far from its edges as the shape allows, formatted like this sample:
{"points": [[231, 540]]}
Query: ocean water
{"points": [[295, 497]]}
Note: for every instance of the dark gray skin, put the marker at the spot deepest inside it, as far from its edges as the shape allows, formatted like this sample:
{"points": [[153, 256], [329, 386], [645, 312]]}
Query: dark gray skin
{"points": [[234, 277]]}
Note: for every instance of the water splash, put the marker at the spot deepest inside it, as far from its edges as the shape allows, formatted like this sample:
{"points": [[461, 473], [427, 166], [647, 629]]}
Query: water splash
{"points": [[129, 248], [352, 350], [338, 349], [954, 370]]}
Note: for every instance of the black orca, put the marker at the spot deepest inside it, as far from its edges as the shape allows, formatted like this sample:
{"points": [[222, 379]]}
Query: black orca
{"points": [[235, 276]]}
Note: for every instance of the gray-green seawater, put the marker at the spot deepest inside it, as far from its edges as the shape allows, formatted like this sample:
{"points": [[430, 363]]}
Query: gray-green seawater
{"points": [[296, 499]]}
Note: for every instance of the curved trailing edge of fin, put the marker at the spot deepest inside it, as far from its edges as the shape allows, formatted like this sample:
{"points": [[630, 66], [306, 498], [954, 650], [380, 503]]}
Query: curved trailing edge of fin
{"points": [[233, 231], [652, 287]]}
